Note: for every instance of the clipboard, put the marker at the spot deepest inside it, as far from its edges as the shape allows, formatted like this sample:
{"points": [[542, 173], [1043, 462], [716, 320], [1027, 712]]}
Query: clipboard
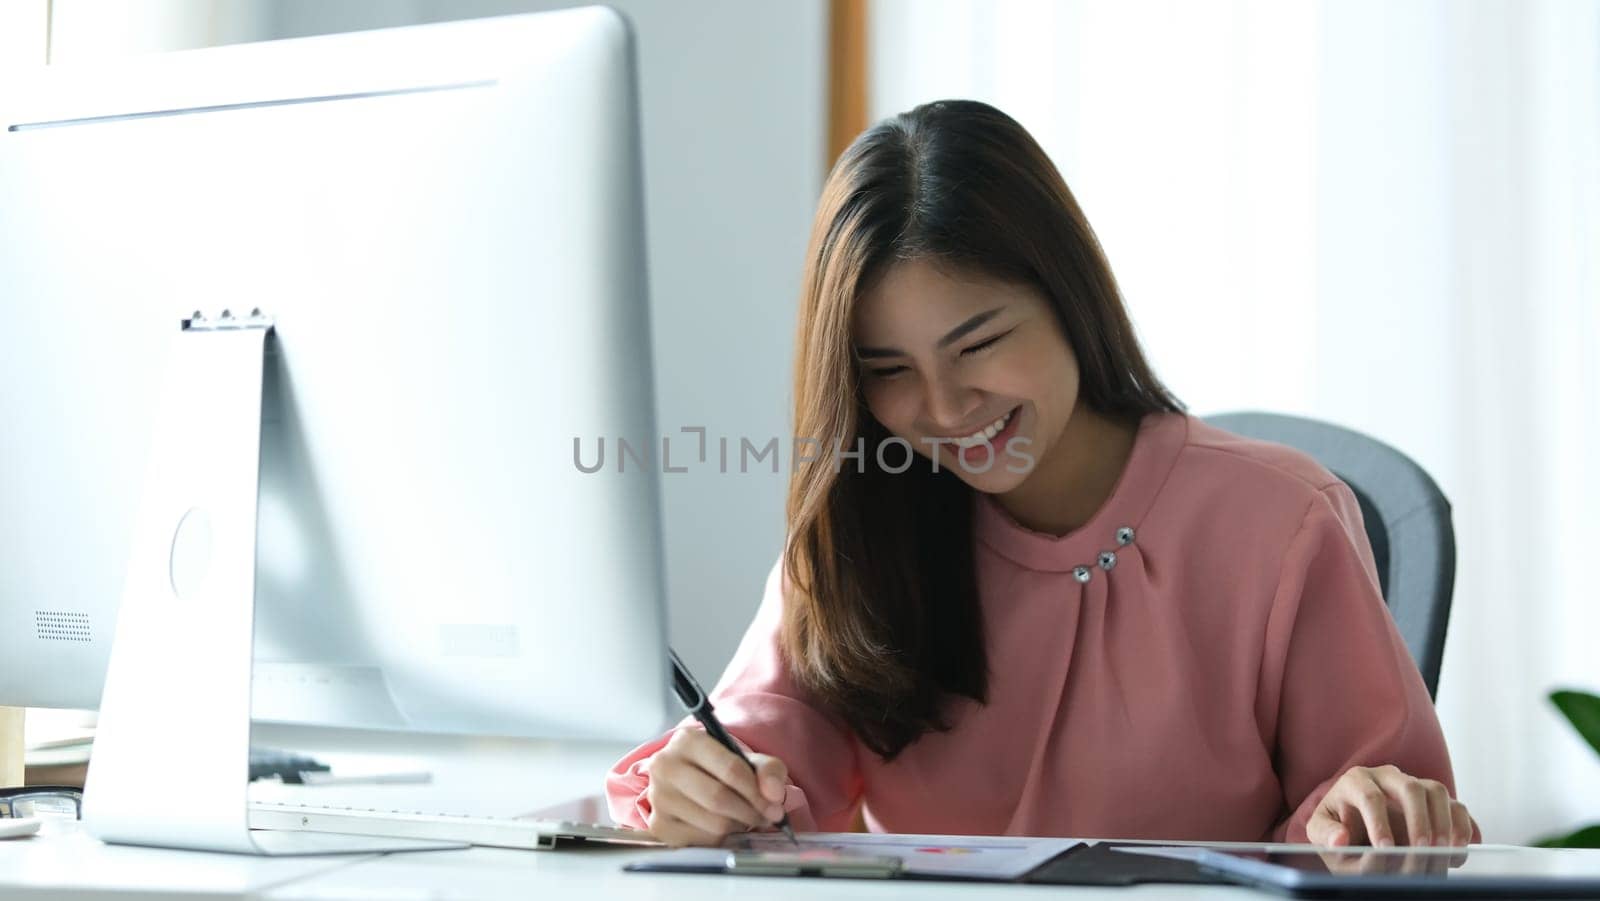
{"points": [[860, 855], [814, 862], [1047, 861]]}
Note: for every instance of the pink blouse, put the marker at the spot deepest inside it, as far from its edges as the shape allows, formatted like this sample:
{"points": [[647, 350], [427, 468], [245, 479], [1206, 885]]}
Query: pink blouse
{"points": [[1199, 661]]}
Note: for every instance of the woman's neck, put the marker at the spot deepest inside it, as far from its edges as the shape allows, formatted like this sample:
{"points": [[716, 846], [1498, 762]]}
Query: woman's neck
{"points": [[1076, 476]]}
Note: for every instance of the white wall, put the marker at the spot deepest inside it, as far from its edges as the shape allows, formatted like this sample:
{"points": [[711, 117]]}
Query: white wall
{"points": [[23, 30], [733, 105]]}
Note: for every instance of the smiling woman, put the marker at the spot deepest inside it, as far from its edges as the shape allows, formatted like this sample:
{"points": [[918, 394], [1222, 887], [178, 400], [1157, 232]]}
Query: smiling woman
{"points": [[1153, 629], [952, 283]]}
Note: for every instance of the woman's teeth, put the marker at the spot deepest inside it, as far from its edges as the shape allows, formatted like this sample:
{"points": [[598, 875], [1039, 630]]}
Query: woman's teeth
{"points": [[987, 434]]}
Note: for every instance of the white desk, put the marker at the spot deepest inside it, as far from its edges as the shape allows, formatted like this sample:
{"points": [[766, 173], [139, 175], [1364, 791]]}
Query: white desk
{"points": [[493, 777], [592, 875], [69, 864], [64, 862]]}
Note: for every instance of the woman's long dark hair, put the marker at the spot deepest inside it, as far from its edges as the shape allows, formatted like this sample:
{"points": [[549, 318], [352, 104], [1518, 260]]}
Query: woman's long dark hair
{"points": [[882, 624]]}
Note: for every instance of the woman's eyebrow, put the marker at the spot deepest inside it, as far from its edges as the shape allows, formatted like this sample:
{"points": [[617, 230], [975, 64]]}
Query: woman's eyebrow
{"points": [[954, 335]]}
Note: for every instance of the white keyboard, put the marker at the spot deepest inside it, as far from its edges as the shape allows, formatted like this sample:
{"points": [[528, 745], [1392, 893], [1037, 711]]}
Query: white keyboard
{"points": [[500, 832]]}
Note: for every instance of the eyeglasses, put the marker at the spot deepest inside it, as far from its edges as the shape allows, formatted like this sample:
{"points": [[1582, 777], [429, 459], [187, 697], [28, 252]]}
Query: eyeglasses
{"points": [[56, 801]]}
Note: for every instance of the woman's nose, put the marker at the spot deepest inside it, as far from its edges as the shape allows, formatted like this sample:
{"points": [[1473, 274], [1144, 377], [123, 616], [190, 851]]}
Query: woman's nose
{"points": [[950, 404]]}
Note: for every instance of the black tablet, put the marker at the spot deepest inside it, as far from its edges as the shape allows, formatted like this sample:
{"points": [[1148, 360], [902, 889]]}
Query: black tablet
{"points": [[1476, 872]]}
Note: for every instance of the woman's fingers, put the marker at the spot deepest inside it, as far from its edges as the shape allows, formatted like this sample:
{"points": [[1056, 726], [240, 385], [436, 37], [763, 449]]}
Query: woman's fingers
{"points": [[1325, 827], [1439, 801], [772, 780], [1385, 806], [1364, 798], [717, 797], [1462, 829], [1410, 794], [700, 791], [720, 763], [670, 800], [1339, 819]]}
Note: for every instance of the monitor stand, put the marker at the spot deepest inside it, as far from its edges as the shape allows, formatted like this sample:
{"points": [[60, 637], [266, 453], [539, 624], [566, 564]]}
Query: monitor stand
{"points": [[171, 753]]}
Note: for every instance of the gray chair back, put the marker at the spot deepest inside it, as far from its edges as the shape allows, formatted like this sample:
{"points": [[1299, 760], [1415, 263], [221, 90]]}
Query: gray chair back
{"points": [[1406, 515]]}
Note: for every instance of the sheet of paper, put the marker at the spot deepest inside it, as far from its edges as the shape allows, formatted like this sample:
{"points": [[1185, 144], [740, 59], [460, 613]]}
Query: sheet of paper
{"points": [[950, 856]]}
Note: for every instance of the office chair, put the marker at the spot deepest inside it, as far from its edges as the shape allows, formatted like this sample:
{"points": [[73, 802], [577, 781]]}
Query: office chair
{"points": [[1406, 515]]}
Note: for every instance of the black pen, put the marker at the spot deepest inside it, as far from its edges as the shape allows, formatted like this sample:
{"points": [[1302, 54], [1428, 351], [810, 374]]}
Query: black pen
{"points": [[694, 698]]}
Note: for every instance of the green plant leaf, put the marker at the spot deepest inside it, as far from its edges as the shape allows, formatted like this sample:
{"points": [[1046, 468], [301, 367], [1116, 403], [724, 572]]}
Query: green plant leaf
{"points": [[1587, 837], [1583, 711]]}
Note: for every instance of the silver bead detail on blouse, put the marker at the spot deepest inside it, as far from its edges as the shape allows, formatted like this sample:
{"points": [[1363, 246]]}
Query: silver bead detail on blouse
{"points": [[1125, 536], [1082, 573], [1107, 560]]}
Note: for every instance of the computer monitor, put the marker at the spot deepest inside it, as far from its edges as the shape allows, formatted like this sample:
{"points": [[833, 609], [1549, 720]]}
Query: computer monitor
{"points": [[445, 225]]}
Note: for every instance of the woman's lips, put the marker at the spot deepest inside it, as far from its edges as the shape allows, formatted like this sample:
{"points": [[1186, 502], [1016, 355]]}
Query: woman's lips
{"points": [[974, 457]]}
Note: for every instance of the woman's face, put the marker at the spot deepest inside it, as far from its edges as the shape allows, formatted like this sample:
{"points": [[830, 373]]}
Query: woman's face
{"points": [[966, 369]]}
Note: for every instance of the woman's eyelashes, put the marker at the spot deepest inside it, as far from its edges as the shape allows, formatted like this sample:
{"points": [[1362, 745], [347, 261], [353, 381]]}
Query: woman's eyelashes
{"points": [[970, 351], [987, 343], [887, 372]]}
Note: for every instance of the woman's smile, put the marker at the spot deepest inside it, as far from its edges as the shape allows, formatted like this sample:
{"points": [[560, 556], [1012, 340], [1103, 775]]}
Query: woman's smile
{"points": [[982, 449]]}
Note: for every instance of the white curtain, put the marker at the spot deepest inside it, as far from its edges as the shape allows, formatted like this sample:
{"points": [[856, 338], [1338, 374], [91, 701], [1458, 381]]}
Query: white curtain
{"points": [[1373, 212]]}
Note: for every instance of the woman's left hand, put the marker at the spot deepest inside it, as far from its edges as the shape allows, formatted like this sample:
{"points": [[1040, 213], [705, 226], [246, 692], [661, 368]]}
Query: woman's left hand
{"points": [[1383, 806]]}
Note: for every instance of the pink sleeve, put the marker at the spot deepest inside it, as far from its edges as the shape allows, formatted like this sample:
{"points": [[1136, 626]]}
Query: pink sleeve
{"points": [[1336, 675], [766, 712]]}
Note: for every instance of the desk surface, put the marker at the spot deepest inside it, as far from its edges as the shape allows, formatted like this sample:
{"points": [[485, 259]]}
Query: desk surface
{"points": [[597, 873], [65, 862], [481, 776]]}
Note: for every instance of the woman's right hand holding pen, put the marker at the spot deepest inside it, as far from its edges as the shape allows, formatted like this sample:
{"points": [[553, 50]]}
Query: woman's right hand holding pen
{"points": [[700, 792]]}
